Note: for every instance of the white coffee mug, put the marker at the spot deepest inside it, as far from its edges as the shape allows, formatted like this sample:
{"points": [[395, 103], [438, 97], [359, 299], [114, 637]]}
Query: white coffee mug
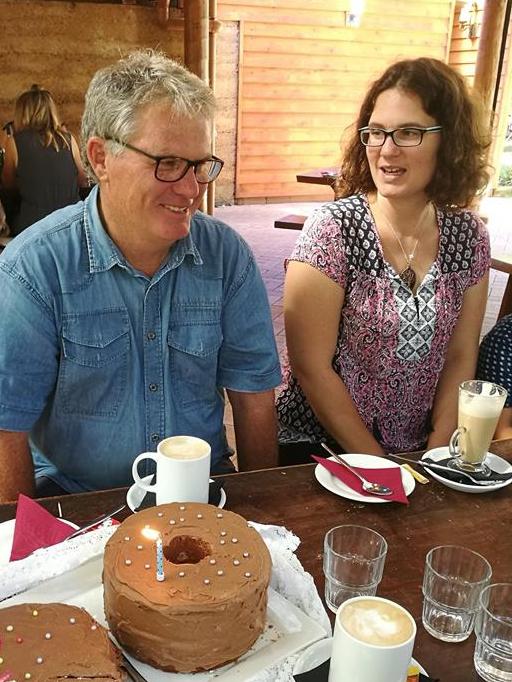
{"points": [[182, 470], [373, 640]]}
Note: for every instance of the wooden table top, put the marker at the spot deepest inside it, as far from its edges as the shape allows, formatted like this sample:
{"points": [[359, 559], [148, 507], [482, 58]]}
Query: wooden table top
{"points": [[436, 515], [319, 176]]}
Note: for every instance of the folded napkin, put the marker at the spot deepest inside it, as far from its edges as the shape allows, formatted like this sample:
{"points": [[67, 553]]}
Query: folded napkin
{"points": [[321, 674], [390, 476], [460, 478], [35, 528], [49, 562]]}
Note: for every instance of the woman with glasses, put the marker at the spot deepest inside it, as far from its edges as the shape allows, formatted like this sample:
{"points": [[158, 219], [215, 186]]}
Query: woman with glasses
{"points": [[42, 160], [386, 287]]}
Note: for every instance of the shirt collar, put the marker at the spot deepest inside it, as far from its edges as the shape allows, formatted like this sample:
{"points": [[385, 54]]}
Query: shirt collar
{"points": [[105, 254]]}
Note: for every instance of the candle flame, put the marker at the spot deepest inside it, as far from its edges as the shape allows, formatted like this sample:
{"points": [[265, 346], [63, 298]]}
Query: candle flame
{"points": [[150, 533]]}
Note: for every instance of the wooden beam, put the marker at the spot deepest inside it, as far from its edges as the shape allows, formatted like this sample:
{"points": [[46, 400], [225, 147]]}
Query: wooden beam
{"points": [[489, 52], [196, 44], [196, 37], [212, 66]]}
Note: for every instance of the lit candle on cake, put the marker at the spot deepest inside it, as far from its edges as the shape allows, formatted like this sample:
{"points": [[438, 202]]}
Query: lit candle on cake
{"points": [[155, 535], [159, 559]]}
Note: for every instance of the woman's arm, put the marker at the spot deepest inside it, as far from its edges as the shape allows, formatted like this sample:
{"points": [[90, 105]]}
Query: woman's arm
{"points": [[312, 309], [460, 363], [10, 164], [83, 181]]}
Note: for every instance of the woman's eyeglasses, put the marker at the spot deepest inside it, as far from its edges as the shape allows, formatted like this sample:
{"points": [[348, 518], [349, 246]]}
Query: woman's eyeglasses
{"points": [[402, 137]]}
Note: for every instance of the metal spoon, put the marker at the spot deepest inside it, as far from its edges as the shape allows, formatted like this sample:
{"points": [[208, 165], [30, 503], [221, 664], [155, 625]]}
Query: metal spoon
{"points": [[368, 486]]}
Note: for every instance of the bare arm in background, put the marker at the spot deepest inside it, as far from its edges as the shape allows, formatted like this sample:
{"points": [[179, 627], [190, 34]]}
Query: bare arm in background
{"points": [[10, 164], [16, 467], [255, 422]]}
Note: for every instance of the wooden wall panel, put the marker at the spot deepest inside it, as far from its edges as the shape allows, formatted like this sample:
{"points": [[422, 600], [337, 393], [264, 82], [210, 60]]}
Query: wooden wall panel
{"points": [[463, 49], [463, 57], [60, 45], [303, 74]]}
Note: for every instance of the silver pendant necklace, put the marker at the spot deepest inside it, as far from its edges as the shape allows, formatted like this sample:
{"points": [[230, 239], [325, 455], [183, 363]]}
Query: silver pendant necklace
{"points": [[407, 275]]}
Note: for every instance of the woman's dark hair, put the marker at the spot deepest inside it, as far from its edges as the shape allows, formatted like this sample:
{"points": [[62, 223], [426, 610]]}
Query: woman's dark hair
{"points": [[461, 170]]}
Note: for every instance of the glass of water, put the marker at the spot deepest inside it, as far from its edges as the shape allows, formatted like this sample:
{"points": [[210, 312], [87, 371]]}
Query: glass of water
{"points": [[354, 559], [453, 580], [493, 629]]}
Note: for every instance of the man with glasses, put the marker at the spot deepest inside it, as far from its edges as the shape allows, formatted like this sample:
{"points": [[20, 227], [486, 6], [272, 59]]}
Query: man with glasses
{"points": [[127, 317]]}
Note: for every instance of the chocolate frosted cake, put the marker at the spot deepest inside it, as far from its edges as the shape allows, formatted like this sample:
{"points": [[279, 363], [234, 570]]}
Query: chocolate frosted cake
{"points": [[42, 642], [210, 606]]}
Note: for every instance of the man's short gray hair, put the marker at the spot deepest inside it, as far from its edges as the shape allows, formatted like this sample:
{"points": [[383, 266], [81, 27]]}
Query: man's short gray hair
{"points": [[117, 92]]}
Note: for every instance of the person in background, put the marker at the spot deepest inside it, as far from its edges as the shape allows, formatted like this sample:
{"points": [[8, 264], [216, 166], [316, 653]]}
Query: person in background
{"points": [[495, 364], [386, 288], [42, 160], [125, 318]]}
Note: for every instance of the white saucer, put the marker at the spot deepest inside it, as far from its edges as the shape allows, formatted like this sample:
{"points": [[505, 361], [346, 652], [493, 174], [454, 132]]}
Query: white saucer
{"points": [[135, 495], [495, 462], [330, 482], [319, 652], [7, 535]]}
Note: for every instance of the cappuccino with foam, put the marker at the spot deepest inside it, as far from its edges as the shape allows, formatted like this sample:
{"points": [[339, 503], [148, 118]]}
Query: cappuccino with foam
{"points": [[183, 447], [480, 407], [380, 623], [373, 641], [182, 470]]}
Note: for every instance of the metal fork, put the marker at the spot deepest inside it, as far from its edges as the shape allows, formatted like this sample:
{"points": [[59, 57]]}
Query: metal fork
{"points": [[90, 524]]}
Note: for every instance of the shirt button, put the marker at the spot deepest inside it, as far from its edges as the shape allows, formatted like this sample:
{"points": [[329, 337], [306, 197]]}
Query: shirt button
{"points": [[155, 437], [151, 336], [153, 387]]}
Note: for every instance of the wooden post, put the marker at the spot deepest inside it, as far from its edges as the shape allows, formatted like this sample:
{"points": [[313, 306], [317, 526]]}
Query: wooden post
{"points": [[196, 44], [212, 65], [488, 53], [196, 37]]}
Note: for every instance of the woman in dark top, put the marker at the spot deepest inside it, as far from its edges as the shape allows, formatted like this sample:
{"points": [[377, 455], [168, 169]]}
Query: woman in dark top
{"points": [[42, 160], [495, 364]]}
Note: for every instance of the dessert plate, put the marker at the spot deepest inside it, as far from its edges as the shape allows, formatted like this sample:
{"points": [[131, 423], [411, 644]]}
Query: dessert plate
{"points": [[288, 628], [136, 495], [330, 482], [7, 534], [495, 462], [320, 652]]}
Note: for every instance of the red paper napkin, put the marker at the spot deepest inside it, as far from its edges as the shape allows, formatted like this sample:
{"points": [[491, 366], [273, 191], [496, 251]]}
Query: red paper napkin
{"points": [[390, 476], [34, 528]]}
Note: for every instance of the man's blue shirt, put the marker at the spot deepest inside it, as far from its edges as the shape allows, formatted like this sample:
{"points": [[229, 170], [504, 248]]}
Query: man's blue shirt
{"points": [[100, 362]]}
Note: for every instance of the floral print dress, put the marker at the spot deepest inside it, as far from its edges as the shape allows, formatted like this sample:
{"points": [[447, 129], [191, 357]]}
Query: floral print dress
{"points": [[391, 343]]}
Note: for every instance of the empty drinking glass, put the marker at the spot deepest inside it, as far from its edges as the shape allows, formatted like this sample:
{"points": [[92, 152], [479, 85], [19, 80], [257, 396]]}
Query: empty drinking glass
{"points": [[493, 629], [354, 559], [453, 580]]}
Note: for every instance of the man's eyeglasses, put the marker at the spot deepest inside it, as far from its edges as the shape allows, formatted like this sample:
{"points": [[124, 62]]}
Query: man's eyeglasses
{"points": [[402, 137], [174, 168]]}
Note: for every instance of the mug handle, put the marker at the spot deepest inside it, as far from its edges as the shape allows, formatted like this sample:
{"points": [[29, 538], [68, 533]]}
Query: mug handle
{"points": [[138, 480], [453, 447]]}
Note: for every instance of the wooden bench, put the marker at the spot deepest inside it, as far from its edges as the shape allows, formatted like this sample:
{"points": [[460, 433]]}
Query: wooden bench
{"points": [[503, 263], [290, 222]]}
